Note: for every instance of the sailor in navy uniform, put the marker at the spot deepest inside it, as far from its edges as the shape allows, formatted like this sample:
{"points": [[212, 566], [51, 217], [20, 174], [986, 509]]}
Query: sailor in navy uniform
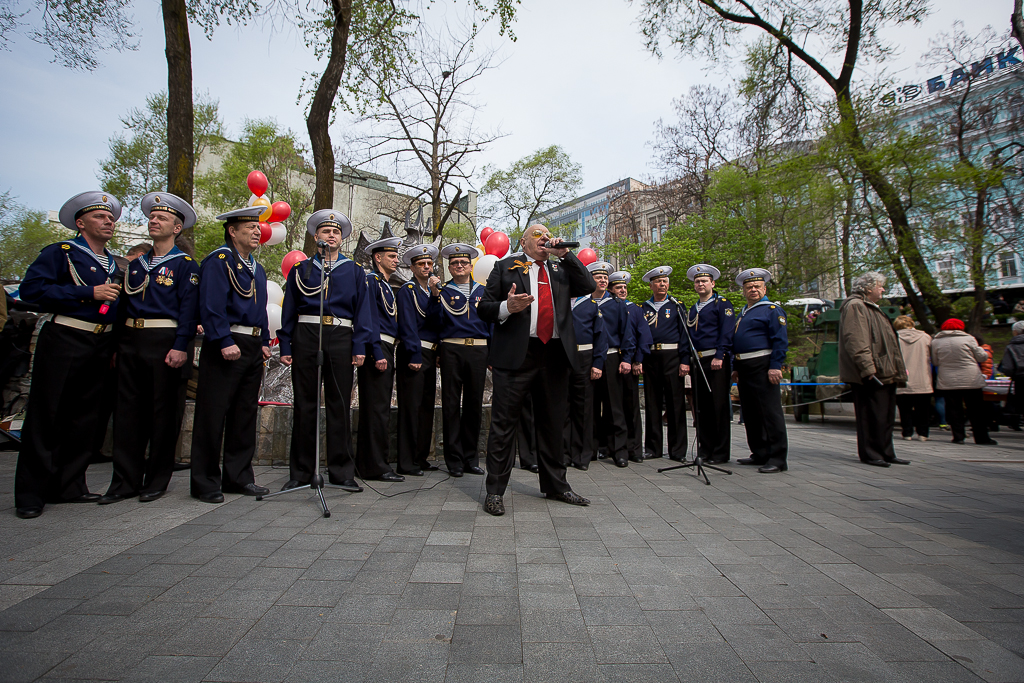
{"points": [[71, 280], [580, 446], [377, 380], [233, 313], [419, 311], [347, 326], [759, 346], [665, 368], [463, 356], [711, 321], [618, 284], [161, 303], [609, 414]]}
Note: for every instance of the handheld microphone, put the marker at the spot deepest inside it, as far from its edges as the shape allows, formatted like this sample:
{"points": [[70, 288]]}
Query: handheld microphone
{"points": [[116, 279], [562, 245]]}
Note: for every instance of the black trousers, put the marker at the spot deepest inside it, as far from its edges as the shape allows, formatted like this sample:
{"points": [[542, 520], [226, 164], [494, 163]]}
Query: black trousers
{"points": [[714, 410], [631, 408], [578, 443], [227, 404], [416, 391], [956, 400], [915, 413], [609, 414], [337, 388], [150, 406], [57, 438], [372, 444], [544, 376], [463, 370], [526, 435], [875, 407], [763, 418], [664, 390]]}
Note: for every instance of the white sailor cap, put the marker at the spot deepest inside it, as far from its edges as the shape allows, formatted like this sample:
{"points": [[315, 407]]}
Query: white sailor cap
{"points": [[619, 277], [600, 267], [418, 253], [660, 271], [459, 249], [249, 213], [169, 203], [330, 217], [753, 275], [83, 203], [386, 244], [703, 270]]}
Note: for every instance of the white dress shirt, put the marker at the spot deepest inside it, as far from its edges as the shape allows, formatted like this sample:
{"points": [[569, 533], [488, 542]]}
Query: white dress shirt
{"points": [[535, 285]]}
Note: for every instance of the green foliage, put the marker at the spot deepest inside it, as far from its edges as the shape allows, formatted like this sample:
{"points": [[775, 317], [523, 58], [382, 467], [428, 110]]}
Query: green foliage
{"points": [[75, 30], [459, 232], [23, 233], [516, 196]]}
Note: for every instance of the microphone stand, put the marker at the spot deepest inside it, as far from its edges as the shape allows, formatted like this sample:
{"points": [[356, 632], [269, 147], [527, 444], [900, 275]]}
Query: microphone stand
{"points": [[317, 483], [697, 462]]}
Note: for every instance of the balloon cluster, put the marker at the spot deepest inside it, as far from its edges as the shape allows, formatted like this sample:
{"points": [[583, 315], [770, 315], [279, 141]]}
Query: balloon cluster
{"points": [[495, 245], [272, 230], [275, 299]]}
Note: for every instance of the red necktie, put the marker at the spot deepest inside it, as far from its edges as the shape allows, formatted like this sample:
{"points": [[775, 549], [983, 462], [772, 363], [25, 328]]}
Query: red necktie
{"points": [[545, 311]]}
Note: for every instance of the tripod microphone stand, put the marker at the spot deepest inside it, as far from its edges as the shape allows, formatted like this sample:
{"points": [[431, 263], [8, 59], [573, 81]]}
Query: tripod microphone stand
{"points": [[317, 483], [697, 462]]}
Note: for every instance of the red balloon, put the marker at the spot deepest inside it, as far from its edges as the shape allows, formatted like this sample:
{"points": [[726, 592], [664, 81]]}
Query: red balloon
{"points": [[266, 232], [484, 234], [257, 183], [289, 260], [587, 256], [497, 244], [279, 211]]}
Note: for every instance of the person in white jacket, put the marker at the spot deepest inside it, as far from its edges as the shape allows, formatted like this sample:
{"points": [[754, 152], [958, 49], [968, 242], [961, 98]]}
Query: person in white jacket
{"points": [[956, 355], [914, 400]]}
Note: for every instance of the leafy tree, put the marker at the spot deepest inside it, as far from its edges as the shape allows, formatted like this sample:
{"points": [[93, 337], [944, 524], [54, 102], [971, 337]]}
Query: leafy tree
{"points": [[74, 30], [518, 195], [23, 233]]}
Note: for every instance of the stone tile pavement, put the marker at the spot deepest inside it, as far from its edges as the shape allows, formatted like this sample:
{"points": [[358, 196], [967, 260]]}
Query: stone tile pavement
{"points": [[833, 571]]}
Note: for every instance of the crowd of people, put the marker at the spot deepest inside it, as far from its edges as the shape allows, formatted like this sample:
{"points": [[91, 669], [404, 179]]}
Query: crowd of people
{"points": [[565, 346]]}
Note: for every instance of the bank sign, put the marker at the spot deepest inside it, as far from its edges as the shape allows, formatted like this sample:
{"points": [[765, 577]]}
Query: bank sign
{"points": [[1000, 60]]}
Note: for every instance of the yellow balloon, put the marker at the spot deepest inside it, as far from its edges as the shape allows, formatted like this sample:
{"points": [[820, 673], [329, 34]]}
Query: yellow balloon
{"points": [[262, 201], [265, 216]]}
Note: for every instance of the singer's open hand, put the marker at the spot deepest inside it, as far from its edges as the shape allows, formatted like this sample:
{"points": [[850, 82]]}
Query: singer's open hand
{"points": [[106, 292], [518, 302]]}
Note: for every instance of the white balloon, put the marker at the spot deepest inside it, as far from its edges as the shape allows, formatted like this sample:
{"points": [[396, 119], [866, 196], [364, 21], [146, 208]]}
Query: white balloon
{"points": [[278, 233], [484, 266], [275, 295], [252, 199], [273, 319]]}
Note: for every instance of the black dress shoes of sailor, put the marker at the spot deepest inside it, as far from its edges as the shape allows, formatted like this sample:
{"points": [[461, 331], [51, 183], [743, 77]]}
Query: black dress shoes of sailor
{"points": [[30, 512], [150, 496], [349, 485], [411, 473], [569, 497], [212, 497], [621, 462], [391, 476], [292, 484], [749, 461], [455, 473], [108, 498], [899, 461], [430, 468], [252, 490], [493, 505], [475, 470], [771, 469], [86, 498], [635, 458], [876, 463], [582, 468]]}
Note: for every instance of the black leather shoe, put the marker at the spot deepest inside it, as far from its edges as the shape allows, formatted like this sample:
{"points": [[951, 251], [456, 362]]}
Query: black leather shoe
{"points": [[411, 473], [182, 466], [475, 470], [990, 442], [582, 468], [958, 442], [649, 455], [455, 473], [770, 469], [86, 498], [876, 463], [899, 461], [350, 485], [534, 469], [749, 461], [621, 462], [716, 461], [430, 468], [254, 490], [635, 458], [150, 496], [29, 512], [391, 476], [212, 497], [292, 484], [493, 505], [569, 497], [602, 453], [109, 498], [675, 459]]}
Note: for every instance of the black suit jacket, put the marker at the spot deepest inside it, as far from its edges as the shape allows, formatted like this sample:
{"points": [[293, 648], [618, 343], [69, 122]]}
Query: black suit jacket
{"points": [[569, 278]]}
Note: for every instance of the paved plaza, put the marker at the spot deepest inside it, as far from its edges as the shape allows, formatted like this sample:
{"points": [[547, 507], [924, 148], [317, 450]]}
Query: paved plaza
{"points": [[833, 571]]}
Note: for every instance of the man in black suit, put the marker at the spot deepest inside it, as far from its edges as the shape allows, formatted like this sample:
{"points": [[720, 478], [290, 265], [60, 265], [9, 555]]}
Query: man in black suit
{"points": [[533, 350]]}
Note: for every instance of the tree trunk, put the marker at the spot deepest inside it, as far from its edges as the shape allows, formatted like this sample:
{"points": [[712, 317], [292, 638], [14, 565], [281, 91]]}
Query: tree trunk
{"points": [[975, 252], [847, 275], [320, 110], [180, 117], [1017, 22]]}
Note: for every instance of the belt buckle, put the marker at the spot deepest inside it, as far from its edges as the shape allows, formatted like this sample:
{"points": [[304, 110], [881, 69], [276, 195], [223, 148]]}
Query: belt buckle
{"points": [[98, 329], [657, 347], [255, 331], [328, 320], [139, 323], [470, 342]]}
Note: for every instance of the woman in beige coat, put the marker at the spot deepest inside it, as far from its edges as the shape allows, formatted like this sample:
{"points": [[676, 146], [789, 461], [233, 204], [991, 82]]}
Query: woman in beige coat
{"points": [[914, 400], [956, 355]]}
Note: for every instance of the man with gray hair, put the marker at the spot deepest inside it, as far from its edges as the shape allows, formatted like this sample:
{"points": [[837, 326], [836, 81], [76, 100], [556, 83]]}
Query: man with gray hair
{"points": [[871, 362], [1012, 365]]}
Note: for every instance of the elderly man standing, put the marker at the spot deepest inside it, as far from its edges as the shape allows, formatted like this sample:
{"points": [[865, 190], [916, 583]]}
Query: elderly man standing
{"points": [[871, 362], [533, 351]]}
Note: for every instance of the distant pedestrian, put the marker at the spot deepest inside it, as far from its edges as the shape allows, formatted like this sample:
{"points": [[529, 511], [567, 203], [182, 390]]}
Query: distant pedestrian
{"points": [[914, 400], [957, 356], [1012, 365]]}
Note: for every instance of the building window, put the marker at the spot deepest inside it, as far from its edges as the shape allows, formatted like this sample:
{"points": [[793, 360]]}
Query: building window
{"points": [[945, 271], [1008, 264]]}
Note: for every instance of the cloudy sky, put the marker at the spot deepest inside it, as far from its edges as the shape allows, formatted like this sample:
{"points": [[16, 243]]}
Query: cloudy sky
{"points": [[578, 76]]}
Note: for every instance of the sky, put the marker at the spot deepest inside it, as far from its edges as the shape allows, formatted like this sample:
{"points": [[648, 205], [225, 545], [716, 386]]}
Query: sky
{"points": [[578, 76]]}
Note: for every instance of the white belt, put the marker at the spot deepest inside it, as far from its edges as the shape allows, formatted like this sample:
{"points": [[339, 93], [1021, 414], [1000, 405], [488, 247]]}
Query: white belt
{"points": [[706, 353], [141, 323], [68, 321], [584, 347], [247, 331], [611, 350], [327, 320], [387, 338], [752, 354], [664, 347], [466, 341], [429, 346]]}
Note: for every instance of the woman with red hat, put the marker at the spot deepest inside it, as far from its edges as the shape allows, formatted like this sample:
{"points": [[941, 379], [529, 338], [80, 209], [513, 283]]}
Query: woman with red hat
{"points": [[956, 355]]}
